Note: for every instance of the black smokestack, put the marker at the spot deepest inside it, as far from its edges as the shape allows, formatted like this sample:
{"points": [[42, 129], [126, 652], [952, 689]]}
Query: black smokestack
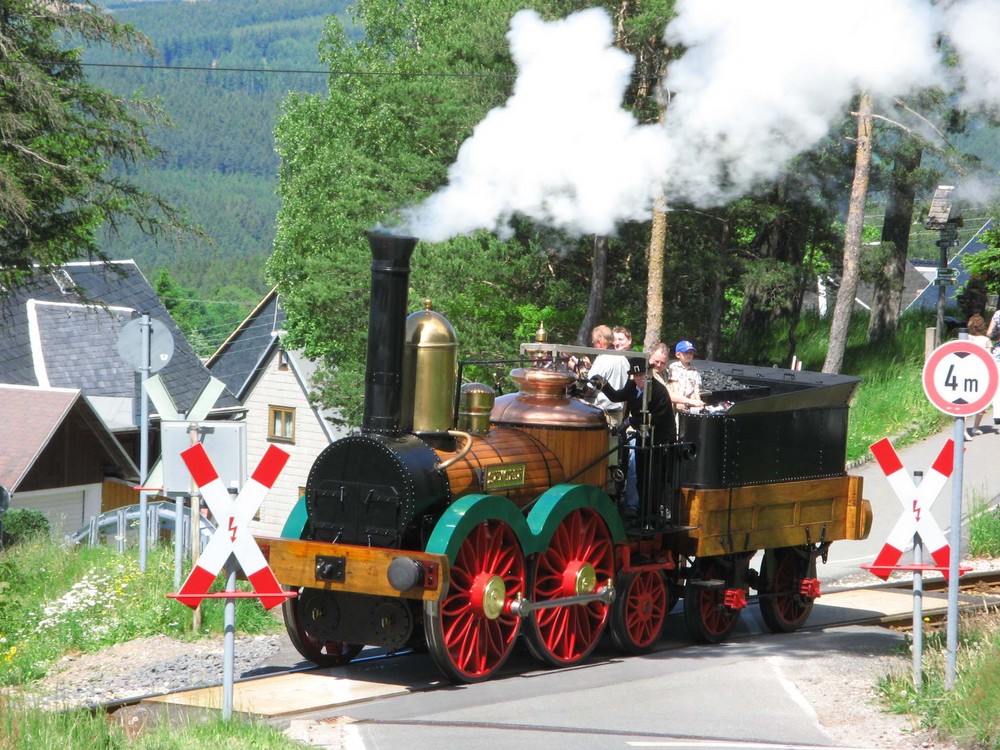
{"points": [[387, 332]]}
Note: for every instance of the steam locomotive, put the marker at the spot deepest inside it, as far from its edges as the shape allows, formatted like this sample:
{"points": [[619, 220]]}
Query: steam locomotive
{"points": [[462, 520]]}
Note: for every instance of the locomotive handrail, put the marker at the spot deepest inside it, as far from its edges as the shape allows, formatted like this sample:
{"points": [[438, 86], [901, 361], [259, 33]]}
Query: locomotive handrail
{"points": [[445, 465]]}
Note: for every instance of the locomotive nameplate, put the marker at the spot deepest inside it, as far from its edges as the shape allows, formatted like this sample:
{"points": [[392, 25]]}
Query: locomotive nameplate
{"points": [[503, 477], [350, 567]]}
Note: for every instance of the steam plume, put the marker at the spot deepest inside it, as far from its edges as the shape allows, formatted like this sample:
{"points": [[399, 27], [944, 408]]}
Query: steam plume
{"points": [[758, 84]]}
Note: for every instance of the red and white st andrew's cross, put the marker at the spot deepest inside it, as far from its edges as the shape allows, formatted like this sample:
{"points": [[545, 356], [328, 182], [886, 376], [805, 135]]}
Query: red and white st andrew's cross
{"points": [[916, 503], [231, 537]]}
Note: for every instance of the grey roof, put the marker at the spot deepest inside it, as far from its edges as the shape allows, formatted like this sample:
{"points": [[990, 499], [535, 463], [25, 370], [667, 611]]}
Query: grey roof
{"points": [[927, 297], [237, 361], [242, 357], [913, 284], [54, 334]]}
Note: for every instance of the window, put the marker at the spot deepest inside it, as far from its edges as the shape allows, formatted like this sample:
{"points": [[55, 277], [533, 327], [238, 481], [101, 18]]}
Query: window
{"points": [[282, 360], [281, 425]]}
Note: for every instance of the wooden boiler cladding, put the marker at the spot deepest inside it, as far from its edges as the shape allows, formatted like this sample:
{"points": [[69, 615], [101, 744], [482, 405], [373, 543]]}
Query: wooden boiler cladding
{"points": [[503, 447], [575, 432]]}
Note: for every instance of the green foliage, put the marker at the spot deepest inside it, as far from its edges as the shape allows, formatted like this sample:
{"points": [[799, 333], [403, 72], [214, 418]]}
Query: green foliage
{"points": [[379, 142], [205, 324], [60, 599], [984, 530], [232, 61], [59, 137], [24, 525], [985, 265]]}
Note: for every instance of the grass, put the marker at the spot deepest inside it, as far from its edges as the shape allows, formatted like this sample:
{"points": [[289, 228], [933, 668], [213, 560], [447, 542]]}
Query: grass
{"points": [[23, 729], [88, 598], [54, 600], [984, 530], [967, 714]]}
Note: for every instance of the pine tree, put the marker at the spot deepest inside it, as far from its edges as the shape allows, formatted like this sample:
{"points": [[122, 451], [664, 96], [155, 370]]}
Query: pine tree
{"points": [[58, 136]]}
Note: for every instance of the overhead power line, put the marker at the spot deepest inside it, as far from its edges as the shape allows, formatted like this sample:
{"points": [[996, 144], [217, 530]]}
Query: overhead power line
{"points": [[284, 71], [265, 71]]}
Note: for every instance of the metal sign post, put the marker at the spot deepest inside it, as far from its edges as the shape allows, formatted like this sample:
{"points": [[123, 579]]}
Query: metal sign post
{"points": [[147, 345], [918, 603], [232, 545], [960, 378]]}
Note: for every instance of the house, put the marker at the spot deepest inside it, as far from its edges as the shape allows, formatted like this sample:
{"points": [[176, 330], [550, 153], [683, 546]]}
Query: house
{"points": [[61, 332], [274, 385], [927, 298], [919, 289], [57, 456]]}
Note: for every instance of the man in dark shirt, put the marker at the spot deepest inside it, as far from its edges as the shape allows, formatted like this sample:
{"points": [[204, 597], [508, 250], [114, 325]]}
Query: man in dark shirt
{"points": [[661, 427], [658, 402]]}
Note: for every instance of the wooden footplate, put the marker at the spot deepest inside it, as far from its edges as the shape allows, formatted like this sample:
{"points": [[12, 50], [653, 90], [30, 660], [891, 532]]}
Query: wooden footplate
{"points": [[788, 514], [364, 570]]}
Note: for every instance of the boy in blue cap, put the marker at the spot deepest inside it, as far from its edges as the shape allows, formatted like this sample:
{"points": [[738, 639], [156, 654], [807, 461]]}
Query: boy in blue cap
{"points": [[683, 380]]}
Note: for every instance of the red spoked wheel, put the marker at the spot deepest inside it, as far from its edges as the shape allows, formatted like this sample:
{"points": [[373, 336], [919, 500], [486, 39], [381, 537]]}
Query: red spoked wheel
{"points": [[579, 560], [639, 612], [706, 615], [472, 631], [325, 653], [783, 606]]}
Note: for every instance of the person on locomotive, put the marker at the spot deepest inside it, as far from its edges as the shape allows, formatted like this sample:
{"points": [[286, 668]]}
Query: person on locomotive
{"points": [[662, 424], [622, 338], [659, 355], [611, 368], [683, 380]]}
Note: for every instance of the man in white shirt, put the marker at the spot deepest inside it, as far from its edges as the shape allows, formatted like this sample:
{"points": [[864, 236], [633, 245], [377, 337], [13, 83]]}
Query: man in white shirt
{"points": [[613, 368]]}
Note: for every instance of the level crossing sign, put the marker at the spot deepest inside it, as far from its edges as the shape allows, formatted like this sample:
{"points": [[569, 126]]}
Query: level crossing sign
{"points": [[916, 502], [231, 536], [961, 378]]}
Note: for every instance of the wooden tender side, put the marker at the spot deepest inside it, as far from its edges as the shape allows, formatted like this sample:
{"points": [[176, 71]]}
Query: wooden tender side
{"points": [[741, 519]]}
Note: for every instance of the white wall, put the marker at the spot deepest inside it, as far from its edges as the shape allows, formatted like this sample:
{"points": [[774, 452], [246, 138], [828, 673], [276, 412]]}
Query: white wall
{"points": [[67, 508], [281, 388]]}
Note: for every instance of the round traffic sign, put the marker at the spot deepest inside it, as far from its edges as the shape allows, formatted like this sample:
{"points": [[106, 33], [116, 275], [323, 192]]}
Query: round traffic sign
{"points": [[961, 378], [161, 344]]}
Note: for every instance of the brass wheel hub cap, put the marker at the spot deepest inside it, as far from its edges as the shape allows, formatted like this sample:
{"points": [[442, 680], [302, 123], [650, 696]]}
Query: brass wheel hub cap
{"points": [[494, 595]]}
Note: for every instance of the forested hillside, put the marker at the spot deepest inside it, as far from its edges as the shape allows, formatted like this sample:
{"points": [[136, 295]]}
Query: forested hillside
{"points": [[232, 62]]}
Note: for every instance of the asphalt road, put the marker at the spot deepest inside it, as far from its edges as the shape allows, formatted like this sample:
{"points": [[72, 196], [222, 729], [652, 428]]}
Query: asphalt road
{"points": [[740, 694]]}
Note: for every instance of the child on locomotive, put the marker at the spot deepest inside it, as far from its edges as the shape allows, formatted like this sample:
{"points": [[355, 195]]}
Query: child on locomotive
{"points": [[683, 380]]}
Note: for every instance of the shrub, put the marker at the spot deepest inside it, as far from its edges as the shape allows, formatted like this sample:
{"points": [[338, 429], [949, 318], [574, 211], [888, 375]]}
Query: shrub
{"points": [[22, 524]]}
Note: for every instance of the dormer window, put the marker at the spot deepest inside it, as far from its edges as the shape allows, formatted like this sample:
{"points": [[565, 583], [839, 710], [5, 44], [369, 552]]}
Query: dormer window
{"points": [[63, 280]]}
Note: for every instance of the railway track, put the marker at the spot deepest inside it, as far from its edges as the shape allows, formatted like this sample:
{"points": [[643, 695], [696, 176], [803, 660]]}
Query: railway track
{"points": [[834, 609]]}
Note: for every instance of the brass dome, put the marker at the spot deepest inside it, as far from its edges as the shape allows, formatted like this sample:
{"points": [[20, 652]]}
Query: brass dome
{"points": [[430, 371]]}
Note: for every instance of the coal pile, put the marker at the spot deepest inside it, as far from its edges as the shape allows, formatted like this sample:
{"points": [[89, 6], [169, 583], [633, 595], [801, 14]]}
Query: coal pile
{"points": [[714, 380]]}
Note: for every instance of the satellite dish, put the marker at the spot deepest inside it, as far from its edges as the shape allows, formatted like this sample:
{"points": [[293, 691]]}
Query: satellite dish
{"points": [[161, 344], [4, 499]]}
